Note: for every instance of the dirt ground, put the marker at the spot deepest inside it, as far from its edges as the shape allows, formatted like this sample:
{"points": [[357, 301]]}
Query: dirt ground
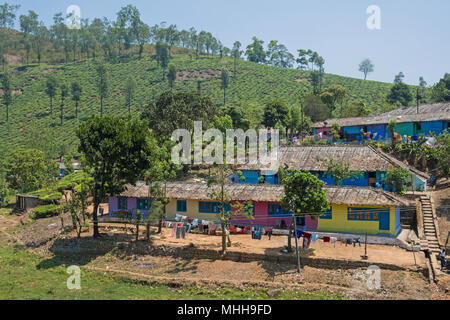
{"points": [[118, 256], [319, 249], [442, 199]]}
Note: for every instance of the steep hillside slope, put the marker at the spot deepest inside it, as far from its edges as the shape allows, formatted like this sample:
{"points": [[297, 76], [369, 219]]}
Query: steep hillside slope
{"points": [[251, 87]]}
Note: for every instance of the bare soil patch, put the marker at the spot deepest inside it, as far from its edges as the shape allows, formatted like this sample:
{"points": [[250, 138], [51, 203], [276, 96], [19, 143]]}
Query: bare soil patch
{"points": [[204, 74]]}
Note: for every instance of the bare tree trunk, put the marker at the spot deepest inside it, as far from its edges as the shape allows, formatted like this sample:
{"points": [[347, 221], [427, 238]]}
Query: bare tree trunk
{"points": [[290, 235], [224, 239], [95, 219]]}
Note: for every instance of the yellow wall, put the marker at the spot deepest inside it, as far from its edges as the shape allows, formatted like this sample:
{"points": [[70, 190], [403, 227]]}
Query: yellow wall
{"points": [[339, 222], [192, 211]]}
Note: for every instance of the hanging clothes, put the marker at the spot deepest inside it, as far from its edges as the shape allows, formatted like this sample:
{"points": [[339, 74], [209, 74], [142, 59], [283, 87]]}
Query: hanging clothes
{"points": [[314, 238], [178, 231], [269, 233], [188, 229], [174, 229], [333, 241], [349, 241], [260, 233], [306, 240], [200, 228], [299, 234], [326, 239], [357, 240]]}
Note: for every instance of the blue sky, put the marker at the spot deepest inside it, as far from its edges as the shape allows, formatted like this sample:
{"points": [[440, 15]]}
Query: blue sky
{"points": [[414, 35]]}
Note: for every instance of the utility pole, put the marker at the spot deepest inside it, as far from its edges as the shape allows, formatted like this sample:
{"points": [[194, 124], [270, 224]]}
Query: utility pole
{"points": [[296, 243], [417, 99]]}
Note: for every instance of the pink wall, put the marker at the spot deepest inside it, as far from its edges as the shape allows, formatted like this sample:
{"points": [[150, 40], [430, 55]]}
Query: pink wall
{"points": [[311, 224], [324, 137], [261, 217]]}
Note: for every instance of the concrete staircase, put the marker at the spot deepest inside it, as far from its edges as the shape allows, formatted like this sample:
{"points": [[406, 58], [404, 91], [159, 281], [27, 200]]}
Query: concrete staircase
{"points": [[429, 225]]}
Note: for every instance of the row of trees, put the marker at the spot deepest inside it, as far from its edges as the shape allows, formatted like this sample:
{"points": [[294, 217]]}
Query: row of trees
{"points": [[113, 37]]}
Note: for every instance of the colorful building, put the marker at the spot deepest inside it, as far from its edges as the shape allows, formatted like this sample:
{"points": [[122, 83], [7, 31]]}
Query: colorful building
{"points": [[428, 119], [352, 209], [370, 166]]}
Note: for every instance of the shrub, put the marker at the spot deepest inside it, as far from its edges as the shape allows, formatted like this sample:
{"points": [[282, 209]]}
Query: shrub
{"points": [[396, 179], [45, 211]]}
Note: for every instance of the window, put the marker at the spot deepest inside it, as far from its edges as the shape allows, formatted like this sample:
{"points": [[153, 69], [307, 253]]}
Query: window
{"points": [[142, 204], [181, 206], [327, 214], [363, 214], [123, 203], [275, 210], [250, 209], [208, 207]]}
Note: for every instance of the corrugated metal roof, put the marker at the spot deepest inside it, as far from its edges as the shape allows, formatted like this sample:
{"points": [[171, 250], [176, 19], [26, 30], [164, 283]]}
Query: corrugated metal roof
{"points": [[427, 112], [269, 192], [360, 158]]}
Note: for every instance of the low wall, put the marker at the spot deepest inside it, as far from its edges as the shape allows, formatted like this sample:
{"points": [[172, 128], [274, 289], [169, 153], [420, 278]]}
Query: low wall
{"points": [[189, 252]]}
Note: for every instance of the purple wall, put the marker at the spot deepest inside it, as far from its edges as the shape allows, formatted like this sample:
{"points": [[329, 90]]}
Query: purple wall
{"points": [[113, 204]]}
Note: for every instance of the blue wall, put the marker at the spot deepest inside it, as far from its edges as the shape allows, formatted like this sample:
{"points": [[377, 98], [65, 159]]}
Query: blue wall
{"points": [[271, 179], [380, 129], [434, 126], [358, 181], [398, 227], [251, 176]]}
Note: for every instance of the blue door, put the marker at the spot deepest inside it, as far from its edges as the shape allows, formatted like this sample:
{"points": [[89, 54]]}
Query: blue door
{"points": [[384, 220]]}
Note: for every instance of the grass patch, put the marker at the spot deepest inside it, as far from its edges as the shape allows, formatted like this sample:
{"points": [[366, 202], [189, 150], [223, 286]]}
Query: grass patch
{"points": [[24, 275]]}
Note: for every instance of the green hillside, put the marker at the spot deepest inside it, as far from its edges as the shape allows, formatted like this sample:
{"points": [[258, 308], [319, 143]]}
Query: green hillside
{"points": [[251, 87]]}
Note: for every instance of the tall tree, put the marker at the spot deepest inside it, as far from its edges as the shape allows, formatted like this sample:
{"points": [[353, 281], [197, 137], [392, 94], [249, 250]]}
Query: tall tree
{"points": [[400, 92], [102, 84], [366, 67], [334, 95], [8, 15], [179, 110], [236, 53], [50, 90], [42, 36], [255, 51], [316, 109], [116, 153], [224, 81], [441, 90], [76, 91], [129, 93], [2, 56], [7, 92], [29, 23], [162, 57], [171, 76], [303, 195], [199, 86], [279, 55], [64, 93], [226, 208], [276, 111], [26, 170], [422, 90]]}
